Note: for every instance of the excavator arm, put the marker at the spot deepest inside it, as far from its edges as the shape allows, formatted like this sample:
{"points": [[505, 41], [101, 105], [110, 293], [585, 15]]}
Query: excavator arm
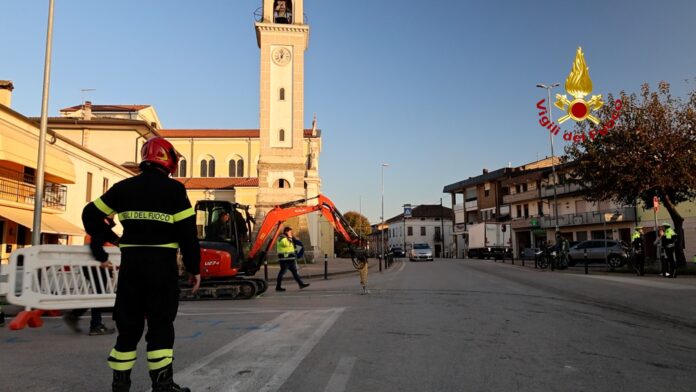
{"points": [[270, 228]]}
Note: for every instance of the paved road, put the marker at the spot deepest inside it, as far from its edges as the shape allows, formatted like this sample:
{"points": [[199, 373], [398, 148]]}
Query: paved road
{"points": [[441, 326]]}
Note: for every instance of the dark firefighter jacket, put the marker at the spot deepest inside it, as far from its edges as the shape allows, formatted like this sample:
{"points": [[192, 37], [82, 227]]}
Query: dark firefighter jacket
{"points": [[154, 211]]}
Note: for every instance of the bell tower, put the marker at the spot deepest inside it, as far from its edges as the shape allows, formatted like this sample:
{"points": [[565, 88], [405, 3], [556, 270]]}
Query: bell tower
{"points": [[285, 160]]}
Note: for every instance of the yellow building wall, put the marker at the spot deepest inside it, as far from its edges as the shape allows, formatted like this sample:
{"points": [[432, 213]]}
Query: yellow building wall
{"points": [[222, 150]]}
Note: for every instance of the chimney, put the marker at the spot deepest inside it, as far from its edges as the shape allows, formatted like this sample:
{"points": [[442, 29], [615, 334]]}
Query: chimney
{"points": [[485, 171], [6, 88], [87, 110]]}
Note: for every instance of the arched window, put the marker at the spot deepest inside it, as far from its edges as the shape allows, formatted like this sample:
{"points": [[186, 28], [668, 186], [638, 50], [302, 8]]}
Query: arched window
{"points": [[236, 168], [282, 11], [240, 168], [211, 168], [204, 168], [208, 167], [282, 94], [281, 135], [281, 183], [181, 170], [232, 169]]}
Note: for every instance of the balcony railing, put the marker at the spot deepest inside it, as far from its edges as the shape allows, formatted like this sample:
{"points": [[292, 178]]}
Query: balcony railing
{"points": [[623, 214], [19, 187], [560, 189], [524, 222], [522, 196]]}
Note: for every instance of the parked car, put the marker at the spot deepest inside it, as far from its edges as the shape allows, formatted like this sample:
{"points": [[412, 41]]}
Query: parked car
{"points": [[530, 253], [421, 252], [398, 252], [616, 252]]}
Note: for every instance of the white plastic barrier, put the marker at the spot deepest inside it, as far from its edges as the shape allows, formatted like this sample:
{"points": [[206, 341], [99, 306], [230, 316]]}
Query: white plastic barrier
{"points": [[54, 277]]}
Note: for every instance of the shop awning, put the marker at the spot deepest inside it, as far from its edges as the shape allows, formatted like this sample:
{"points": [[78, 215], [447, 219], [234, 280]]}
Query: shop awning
{"points": [[21, 148], [50, 223]]}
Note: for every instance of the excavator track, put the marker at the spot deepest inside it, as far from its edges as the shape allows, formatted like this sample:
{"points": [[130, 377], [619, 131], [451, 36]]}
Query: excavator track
{"points": [[224, 290]]}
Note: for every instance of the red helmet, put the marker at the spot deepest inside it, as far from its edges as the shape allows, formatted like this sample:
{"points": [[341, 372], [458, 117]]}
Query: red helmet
{"points": [[160, 152]]}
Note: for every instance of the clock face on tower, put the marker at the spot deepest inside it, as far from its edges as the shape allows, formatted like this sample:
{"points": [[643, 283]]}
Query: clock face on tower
{"points": [[281, 56]]}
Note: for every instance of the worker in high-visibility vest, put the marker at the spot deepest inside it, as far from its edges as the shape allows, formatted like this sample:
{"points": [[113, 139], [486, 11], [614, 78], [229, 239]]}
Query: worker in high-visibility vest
{"points": [[669, 242], [287, 256], [638, 248]]}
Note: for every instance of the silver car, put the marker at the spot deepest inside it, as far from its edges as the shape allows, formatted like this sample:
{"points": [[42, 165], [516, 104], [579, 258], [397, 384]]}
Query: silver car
{"points": [[616, 252], [420, 252]]}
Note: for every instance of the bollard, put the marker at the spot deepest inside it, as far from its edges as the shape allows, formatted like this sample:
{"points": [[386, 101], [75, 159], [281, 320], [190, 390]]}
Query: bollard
{"points": [[512, 257], [585, 256], [380, 262], [522, 257], [265, 270], [326, 267]]}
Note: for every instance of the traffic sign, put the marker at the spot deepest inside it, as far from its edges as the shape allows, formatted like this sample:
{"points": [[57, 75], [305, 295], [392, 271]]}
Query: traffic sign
{"points": [[408, 211]]}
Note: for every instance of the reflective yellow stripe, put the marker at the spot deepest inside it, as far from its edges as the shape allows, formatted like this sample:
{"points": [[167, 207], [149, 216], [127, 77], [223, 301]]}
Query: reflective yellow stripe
{"points": [[173, 245], [103, 207], [122, 356], [184, 214], [146, 215], [165, 352], [121, 366], [159, 364]]}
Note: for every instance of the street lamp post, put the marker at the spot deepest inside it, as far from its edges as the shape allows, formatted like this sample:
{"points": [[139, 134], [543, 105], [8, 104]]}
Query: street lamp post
{"points": [[553, 158], [39, 195], [381, 245]]}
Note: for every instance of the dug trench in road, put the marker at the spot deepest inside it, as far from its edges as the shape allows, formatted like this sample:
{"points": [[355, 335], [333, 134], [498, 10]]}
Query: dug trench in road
{"points": [[645, 297]]}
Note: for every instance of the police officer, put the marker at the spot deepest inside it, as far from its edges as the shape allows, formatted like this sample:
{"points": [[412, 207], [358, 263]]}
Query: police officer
{"points": [[157, 219], [669, 243], [286, 256], [638, 247]]}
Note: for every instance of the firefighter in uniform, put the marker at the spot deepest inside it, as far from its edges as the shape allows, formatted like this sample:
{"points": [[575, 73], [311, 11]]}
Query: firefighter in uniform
{"points": [[157, 219], [669, 242], [638, 247]]}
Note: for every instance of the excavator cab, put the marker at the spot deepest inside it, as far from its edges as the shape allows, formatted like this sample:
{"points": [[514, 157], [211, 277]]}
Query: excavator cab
{"points": [[223, 231]]}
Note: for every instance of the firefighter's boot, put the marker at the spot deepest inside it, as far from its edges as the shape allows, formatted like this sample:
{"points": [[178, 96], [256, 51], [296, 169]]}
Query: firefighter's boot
{"points": [[122, 381], [163, 380]]}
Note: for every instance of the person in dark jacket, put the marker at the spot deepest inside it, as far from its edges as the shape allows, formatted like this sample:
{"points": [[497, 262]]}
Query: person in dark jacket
{"points": [[157, 219], [638, 247]]}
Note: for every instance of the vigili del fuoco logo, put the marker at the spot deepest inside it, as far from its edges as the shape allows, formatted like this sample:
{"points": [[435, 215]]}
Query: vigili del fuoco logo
{"points": [[578, 85]]}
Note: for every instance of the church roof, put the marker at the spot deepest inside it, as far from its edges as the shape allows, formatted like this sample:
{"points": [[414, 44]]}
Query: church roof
{"points": [[218, 182], [107, 108], [219, 133]]}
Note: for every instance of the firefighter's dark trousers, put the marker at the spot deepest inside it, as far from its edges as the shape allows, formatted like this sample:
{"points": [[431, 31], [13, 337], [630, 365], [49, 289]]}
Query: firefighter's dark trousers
{"points": [[147, 290]]}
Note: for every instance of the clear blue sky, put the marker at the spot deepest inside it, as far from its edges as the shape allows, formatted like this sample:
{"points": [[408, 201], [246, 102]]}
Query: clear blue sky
{"points": [[437, 89]]}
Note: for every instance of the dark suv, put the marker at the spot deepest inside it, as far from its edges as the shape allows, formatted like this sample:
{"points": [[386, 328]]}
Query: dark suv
{"points": [[616, 252]]}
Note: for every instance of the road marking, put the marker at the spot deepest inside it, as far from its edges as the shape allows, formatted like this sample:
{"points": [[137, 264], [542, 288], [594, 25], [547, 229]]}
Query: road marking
{"points": [[339, 378], [641, 282], [262, 359]]}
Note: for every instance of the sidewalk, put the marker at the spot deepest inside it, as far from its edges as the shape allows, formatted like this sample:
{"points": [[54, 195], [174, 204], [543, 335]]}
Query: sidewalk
{"points": [[336, 266], [601, 269]]}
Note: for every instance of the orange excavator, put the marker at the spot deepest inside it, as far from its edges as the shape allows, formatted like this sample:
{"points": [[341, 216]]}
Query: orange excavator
{"points": [[230, 258]]}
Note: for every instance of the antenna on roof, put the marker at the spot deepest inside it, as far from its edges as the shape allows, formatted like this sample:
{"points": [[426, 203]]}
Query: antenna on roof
{"points": [[83, 91]]}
